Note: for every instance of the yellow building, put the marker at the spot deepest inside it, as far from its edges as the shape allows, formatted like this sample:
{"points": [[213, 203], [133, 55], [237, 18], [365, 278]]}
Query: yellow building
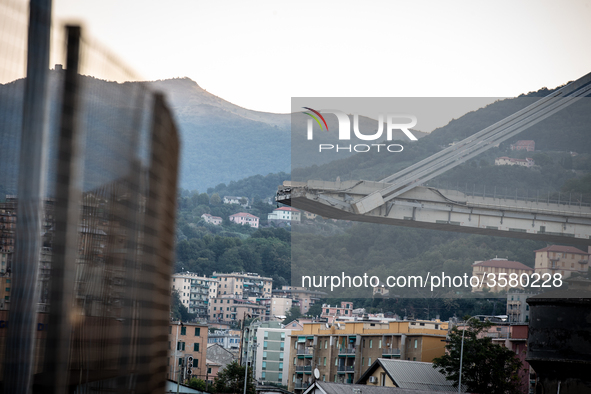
{"points": [[243, 285], [558, 259], [342, 352]]}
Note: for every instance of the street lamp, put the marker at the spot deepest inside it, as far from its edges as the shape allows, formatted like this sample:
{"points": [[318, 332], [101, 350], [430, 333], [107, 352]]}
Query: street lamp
{"points": [[462, 353]]}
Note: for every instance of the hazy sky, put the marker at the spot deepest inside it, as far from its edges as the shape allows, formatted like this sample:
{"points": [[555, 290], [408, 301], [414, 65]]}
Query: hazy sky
{"points": [[258, 54]]}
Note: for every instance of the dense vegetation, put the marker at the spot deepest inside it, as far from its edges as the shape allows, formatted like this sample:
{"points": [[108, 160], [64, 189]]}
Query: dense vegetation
{"points": [[204, 248]]}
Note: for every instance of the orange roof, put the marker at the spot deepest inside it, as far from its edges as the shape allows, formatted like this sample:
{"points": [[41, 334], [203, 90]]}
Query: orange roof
{"points": [[287, 209], [561, 248], [502, 263]]}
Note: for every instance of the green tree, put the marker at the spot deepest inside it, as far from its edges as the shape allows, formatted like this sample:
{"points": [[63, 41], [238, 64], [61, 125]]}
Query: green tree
{"points": [[292, 314], [203, 199], [231, 380], [198, 384], [486, 367], [215, 199], [315, 310], [179, 311]]}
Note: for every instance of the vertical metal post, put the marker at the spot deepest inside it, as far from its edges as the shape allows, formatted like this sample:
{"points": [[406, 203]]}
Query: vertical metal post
{"points": [[19, 359], [461, 359], [67, 214], [247, 356]]}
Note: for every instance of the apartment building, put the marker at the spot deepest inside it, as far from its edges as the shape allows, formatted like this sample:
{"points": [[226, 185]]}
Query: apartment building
{"points": [[194, 291], [345, 309], [301, 296], [497, 271], [558, 259], [271, 353], [342, 352], [517, 308], [232, 310], [186, 340], [280, 306], [243, 285], [228, 339]]}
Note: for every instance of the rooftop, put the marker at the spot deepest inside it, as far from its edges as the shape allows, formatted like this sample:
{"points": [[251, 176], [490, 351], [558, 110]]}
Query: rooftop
{"points": [[561, 248], [502, 263]]}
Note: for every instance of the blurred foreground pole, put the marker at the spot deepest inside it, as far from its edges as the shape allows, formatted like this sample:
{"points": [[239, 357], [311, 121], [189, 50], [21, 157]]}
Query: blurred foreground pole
{"points": [[65, 240], [19, 359]]}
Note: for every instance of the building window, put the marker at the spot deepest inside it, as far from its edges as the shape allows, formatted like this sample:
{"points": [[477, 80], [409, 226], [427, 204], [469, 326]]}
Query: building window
{"points": [[264, 365], [264, 355], [326, 344], [263, 375], [281, 346], [197, 331], [265, 344], [266, 334], [324, 378], [180, 361], [183, 330], [195, 347], [282, 335], [180, 346], [336, 361], [294, 361], [281, 356], [369, 361], [195, 363], [325, 361], [280, 377], [370, 343], [281, 366], [380, 344]]}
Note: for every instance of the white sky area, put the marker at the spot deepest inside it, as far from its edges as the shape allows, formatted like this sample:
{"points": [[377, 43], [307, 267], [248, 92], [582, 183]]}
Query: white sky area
{"points": [[259, 54]]}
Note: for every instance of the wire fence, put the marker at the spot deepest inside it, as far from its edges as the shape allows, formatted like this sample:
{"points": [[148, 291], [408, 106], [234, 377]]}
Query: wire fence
{"points": [[88, 180]]}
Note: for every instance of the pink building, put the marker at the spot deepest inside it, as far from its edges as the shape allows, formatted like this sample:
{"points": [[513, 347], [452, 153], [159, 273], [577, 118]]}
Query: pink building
{"points": [[245, 218], [345, 309], [527, 145], [515, 339], [213, 369]]}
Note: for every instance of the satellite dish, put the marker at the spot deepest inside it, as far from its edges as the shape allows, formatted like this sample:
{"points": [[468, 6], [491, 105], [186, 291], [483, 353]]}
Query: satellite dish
{"points": [[339, 325], [316, 373], [327, 326]]}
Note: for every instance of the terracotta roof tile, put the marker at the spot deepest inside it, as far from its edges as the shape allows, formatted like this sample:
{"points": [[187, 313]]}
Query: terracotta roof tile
{"points": [[502, 263], [561, 248]]}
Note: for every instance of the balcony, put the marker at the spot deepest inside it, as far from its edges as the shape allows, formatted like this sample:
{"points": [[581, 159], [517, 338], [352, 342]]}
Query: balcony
{"points": [[391, 352], [346, 368], [347, 350], [303, 368], [583, 261], [300, 385], [306, 351]]}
